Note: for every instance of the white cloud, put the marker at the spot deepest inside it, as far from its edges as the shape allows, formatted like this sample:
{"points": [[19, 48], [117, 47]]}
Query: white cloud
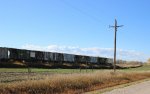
{"points": [[93, 51]]}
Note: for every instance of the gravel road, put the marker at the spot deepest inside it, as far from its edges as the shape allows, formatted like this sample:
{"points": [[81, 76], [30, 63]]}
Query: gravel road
{"points": [[141, 88]]}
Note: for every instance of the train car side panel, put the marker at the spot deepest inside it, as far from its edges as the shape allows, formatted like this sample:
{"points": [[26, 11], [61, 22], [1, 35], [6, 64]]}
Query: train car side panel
{"points": [[3, 53]]}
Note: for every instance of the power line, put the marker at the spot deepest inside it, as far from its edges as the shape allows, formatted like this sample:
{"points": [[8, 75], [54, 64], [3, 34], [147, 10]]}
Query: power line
{"points": [[116, 27], [81, 11]]}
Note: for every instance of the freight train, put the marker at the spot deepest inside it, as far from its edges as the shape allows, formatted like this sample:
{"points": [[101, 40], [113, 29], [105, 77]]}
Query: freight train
{"points": [[43, 56]]}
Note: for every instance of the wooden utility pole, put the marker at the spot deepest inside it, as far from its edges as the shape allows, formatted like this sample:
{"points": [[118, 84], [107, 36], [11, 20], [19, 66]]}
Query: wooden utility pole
{"points": [[115, 26]]}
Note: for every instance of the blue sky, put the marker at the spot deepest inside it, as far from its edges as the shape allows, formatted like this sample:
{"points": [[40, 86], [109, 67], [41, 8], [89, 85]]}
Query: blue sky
{"points": [[77, 24]]}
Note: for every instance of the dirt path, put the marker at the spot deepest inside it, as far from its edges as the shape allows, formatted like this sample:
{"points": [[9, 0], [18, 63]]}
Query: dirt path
{"points": [[141, 88]]}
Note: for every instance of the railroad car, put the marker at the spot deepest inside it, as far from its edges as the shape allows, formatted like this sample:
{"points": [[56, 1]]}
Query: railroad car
{"points": [[102, 60], [39, 55], [58, 57], [47, 56], [93, 59], [4, 53], [69, 58], [13, 53], [87, 59], [81, 59], [23, 54], [109, 60], [30, 55], [77, 58]]}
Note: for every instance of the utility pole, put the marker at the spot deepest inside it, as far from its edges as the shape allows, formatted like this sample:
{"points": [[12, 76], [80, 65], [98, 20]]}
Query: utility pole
{"points": [[115, 26]]}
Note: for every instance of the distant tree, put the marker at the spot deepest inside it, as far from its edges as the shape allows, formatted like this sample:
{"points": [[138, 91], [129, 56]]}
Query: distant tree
{"points": [[148, 61]]}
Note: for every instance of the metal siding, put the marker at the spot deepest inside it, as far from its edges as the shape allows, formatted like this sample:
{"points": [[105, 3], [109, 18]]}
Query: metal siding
{"points": [[39, 55], [65, 57], [23, 54], [46, 56], [58, 57], [51, 56], [68, 57], [82, 59], [13, 53], [32, 54], [88, 59], [55, 55], [72, 58], [78, 58], [109, 60], [3, 53], [93, 59], [102, 60]]}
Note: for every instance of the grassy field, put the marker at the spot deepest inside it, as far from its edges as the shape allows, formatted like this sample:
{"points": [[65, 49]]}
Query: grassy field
{"points": [[38, 70], [8, 75], [20, 74], [65, 81], [144, 68]]}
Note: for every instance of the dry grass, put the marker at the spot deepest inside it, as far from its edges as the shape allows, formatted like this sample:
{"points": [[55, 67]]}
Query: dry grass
{"points": [[129, 65], [71, 83]]}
